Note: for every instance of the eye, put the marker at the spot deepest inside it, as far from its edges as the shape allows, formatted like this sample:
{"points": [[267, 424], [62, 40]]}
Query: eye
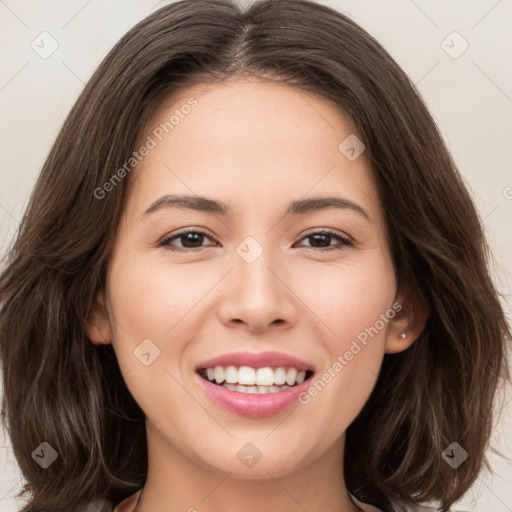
{"points": [[323, 238], [191, 240]]}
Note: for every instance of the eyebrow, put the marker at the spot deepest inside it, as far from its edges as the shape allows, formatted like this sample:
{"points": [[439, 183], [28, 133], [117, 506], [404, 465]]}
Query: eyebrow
{"points": [[299, 207]]}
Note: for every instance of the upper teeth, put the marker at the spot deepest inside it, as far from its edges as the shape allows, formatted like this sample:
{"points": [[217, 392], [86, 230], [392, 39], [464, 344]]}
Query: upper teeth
{"points": [[256, 376]]}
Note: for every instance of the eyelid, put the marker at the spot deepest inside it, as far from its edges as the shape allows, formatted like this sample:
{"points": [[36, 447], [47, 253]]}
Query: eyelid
{"points": [[328, 231]]}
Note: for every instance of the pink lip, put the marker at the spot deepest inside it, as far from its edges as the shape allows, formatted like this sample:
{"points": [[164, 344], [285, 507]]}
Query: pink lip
{"points": [[257, 360], [251, 404]]}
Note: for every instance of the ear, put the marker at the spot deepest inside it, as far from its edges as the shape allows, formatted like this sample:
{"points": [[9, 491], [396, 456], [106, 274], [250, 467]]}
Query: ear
{"points": [[407, 324], [98, 326]]}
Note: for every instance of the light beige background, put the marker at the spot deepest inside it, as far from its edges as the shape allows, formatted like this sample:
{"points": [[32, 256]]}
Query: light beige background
{"points": [[470, 97]]}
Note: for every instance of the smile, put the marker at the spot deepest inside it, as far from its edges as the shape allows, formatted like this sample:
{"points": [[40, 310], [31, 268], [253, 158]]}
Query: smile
{"points": [[254, 384], [245, 379]]}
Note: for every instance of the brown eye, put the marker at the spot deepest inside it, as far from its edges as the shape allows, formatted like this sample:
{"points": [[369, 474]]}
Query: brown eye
{"points": [[321, 240], [190, 239]]}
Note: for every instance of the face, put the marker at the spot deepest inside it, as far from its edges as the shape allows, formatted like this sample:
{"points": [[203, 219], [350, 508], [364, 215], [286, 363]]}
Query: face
{"points": [[263, 277]]}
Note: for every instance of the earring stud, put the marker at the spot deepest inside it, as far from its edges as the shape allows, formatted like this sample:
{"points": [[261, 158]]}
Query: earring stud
{"points": [[402, 335]]}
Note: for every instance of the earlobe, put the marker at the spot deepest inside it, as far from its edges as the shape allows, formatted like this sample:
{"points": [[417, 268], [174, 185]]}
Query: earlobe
{"points": [[407, 324], [98, 326], [401, 342]]}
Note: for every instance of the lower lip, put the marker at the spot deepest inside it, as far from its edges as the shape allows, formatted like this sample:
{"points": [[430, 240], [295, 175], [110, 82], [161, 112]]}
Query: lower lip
{"points": [[253, 404]]}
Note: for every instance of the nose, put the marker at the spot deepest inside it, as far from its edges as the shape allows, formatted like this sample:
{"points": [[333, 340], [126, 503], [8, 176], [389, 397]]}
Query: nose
{"points": [[258, 296]]}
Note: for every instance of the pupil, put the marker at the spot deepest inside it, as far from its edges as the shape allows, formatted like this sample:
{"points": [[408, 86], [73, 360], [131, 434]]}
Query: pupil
{"points": [[191, 237], [323, 237]]}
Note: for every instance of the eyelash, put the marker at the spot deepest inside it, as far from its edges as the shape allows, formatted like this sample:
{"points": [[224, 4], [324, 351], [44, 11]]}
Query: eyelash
{"points": [[344, 242]]}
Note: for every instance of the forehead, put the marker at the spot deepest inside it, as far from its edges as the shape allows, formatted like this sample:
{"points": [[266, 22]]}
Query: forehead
{"points": [[247, 115], [250, 141]]}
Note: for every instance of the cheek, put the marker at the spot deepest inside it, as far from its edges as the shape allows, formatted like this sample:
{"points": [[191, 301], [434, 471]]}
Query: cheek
{"points": [[354, 303], [351, 296], [146, 303], [150, 297], [151, 302], [153, 299]]}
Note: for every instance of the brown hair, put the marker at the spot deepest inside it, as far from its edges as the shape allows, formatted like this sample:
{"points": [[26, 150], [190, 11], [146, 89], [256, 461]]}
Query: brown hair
{"points": [[62, 389]]}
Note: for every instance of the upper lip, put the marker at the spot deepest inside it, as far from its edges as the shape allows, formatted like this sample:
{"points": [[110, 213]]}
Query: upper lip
{"points": [[256, 360]]}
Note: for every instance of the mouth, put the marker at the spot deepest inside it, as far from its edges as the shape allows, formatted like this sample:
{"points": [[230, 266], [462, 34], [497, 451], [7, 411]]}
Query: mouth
{"points": [[254, 384], [255, 380]]}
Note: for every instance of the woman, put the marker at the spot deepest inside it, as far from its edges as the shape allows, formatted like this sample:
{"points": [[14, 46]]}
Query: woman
{"points": [[251, 282]]}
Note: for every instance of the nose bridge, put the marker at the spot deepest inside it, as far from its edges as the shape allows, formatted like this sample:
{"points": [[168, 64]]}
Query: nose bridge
{"points": [[254, 262], [258, 294]]}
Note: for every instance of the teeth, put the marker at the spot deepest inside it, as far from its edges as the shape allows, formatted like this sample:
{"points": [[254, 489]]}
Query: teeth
{"points": [[260, 380], [231, 375], [257, 390], [219, 374], [280, 376], [246, 375], [291, 376], [265, 376]]}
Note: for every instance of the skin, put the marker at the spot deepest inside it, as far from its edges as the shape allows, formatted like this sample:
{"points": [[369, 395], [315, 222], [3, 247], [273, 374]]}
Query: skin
{"points": [[255, 146]]}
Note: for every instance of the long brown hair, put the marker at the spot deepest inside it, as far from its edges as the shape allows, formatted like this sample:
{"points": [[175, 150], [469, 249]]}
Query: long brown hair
{"points": [[61, 389]]}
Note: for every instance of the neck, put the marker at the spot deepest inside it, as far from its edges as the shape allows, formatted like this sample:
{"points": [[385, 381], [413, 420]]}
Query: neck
{"points": [[178, 482]]}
